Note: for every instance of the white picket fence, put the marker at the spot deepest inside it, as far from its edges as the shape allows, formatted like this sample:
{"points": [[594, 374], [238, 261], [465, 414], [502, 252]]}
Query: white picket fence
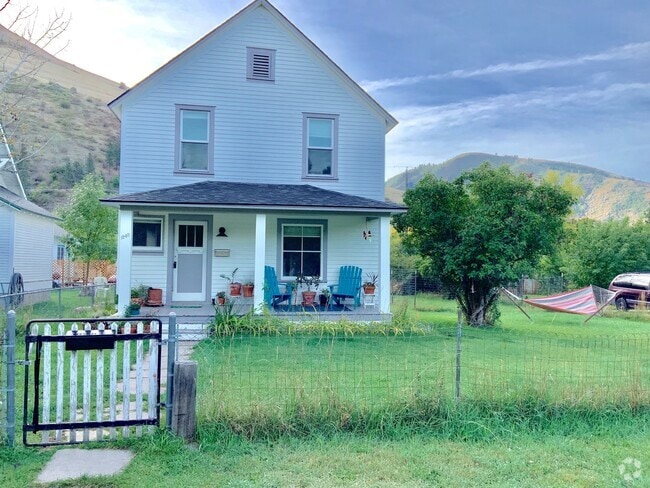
{"points": [[69, 366]]}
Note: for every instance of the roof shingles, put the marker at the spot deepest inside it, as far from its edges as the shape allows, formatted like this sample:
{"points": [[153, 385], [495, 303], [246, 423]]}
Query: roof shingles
{"points": [[253, 195]]}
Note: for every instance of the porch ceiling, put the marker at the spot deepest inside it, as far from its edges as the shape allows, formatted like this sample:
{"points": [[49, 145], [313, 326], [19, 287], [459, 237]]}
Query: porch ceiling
{"points": [[222, 194]]}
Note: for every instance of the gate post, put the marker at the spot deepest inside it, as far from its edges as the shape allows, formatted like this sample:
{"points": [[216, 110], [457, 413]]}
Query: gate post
{"points": [[11, 377], [171, 359]]}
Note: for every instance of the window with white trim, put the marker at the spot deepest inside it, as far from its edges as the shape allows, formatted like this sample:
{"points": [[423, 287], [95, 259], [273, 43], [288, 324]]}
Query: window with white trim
{"points": [[302, 250], [260, 64], [320, 146], [147, 234], [194, 151]]}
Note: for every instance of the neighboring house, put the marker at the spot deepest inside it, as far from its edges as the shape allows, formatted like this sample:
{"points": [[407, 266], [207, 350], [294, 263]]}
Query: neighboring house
{"points": [[250, 148], [29, 234]]}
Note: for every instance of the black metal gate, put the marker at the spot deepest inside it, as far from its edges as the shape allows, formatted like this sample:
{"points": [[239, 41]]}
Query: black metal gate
{"points": [[88, 382]]}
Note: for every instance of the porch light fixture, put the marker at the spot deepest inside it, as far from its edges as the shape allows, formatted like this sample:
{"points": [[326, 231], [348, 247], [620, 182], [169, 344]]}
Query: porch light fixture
{"points": [[222, 232], [367, 233]]}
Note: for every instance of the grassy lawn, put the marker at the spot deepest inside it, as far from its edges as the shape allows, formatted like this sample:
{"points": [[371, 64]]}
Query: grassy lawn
{"points": [[552, 402]]}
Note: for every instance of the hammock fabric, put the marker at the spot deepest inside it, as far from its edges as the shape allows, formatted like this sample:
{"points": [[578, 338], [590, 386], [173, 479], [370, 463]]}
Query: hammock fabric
{"points": [[586, 301]]}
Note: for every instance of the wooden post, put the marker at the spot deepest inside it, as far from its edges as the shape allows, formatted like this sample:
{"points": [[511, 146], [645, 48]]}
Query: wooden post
{"points": [[184, 411]]}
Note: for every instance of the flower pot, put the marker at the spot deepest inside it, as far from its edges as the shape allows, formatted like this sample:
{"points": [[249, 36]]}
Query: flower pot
{"points": [[369, 290], [248, 290], [308, 298], [235, 289], [154, 297], [221, 300], [323, 300]]}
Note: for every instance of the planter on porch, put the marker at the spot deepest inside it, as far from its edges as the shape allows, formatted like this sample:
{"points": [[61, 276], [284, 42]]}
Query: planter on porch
{"points": [[308, 298], [154, 297], [248, 289]]}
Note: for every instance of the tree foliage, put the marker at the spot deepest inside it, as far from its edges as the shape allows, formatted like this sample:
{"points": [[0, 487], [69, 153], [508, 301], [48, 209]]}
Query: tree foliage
{"points": [[482, 231], [598, 251], [91, 226]]}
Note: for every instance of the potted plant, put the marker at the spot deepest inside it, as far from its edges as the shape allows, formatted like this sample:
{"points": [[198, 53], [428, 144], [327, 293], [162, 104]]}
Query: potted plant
{"points": [[139, 294], [308, 296], [248, 288], [324, 297], [370, 284], [221, 298], [234, 286], [132, 309]]}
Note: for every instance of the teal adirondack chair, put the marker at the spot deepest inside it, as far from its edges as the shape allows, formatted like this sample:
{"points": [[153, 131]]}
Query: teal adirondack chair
{"points": [[272, 294], [349, 285]]}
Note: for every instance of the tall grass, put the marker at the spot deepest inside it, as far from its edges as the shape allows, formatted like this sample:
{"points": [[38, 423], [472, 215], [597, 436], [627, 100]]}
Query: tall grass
{"points": [[552, 374]]}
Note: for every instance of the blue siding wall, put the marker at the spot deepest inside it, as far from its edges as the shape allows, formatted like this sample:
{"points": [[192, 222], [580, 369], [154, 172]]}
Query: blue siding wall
{"points": [[259, 126]]}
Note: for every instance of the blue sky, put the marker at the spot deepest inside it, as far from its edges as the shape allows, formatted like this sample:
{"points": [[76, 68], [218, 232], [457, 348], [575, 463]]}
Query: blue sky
{"points": [[562, 80]]}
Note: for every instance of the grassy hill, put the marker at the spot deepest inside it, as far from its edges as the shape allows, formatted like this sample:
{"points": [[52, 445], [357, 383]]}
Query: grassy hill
{"points": [[57, 122], [606, 195]]}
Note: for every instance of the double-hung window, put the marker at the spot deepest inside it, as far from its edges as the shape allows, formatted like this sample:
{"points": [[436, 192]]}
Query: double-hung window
{"points": [[320, 152], [147, 234], [195, 139], [302, 249]]}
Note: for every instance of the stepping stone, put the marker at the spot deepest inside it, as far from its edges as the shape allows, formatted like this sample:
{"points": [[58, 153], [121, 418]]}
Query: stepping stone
{"points": [[69, 464]]}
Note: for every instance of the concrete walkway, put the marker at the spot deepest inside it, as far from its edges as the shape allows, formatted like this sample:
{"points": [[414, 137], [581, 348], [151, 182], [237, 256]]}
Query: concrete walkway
{"points": [[73, 463]]}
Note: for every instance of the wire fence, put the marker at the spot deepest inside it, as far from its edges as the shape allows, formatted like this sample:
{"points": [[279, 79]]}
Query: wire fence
{"points": [[258, 375]]}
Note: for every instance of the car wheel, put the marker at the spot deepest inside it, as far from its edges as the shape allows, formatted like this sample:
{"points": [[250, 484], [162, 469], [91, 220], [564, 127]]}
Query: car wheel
{"points": [[621, 304]]}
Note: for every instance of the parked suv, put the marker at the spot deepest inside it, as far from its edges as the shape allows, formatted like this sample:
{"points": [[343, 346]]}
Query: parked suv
{"points": [[633, 290]]}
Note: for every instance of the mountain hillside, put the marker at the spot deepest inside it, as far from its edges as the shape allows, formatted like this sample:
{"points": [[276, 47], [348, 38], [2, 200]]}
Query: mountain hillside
{"points": [[57, 122], [606, 195]]}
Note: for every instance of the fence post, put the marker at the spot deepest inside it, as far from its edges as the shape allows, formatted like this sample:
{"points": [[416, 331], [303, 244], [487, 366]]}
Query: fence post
{"points": [[184, 416], [60, 304], [459, 331], [11, 377], [171, 359]]}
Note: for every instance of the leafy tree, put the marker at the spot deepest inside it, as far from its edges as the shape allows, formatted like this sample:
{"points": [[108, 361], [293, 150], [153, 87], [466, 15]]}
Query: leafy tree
{"points": [[598, 251], [482, 231], [92, 227]]}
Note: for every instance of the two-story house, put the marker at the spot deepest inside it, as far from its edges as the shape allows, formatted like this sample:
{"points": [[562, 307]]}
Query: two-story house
{"points": [[251, 148]]}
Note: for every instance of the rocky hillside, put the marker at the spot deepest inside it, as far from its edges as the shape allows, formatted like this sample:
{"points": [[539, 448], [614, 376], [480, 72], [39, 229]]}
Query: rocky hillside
{"points": [[57, 122], [606, 195]]}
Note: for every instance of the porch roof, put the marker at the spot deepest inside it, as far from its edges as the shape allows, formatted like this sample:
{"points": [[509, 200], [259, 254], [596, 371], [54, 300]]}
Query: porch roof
{"points": [[224, 194]]}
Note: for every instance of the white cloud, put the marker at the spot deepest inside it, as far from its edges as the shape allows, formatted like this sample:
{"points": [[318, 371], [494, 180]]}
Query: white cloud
{"points": [[628, 51]]}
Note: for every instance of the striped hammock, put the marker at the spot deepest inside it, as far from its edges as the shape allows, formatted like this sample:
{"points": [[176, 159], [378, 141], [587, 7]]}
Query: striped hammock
{"points": [[586, 301]]}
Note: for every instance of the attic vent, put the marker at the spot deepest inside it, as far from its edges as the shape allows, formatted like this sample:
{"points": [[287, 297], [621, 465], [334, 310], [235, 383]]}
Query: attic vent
{"points": [[260, 64]]}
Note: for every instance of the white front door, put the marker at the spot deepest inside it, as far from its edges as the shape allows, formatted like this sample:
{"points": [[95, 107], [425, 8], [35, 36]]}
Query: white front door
{"points": [[190, 252]]}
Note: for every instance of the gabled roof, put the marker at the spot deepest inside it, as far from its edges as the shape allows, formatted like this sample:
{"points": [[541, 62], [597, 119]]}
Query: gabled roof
{"points": [[254, 196], [17, 202], [391, 122]]}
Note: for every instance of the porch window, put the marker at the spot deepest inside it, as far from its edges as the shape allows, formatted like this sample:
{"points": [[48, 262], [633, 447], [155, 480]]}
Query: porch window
{"points": [[320, 146], [302, 250], [147, 234], [195, 139]]}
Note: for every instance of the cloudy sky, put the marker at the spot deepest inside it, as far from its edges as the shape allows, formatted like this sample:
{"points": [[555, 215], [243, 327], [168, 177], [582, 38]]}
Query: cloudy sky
{"points": [[552, 79]]}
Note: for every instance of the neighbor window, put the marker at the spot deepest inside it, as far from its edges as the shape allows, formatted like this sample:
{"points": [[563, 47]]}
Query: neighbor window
{"points": [[320, 145], [147, 234], [260, 64], [195, 139], [302, 250]]}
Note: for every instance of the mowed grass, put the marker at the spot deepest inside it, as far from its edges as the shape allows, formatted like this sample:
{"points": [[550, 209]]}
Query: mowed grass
{"points": [[378, 410]]}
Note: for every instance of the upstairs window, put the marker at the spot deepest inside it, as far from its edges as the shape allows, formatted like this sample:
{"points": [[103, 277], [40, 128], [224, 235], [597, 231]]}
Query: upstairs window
{"points": [[195, 139], [260, 64], [320, 146]]}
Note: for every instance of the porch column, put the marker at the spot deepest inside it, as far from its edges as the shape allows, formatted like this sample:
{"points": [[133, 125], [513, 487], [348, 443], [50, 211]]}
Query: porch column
{"points": [[260, 253], [124, 252], [384, 264]]}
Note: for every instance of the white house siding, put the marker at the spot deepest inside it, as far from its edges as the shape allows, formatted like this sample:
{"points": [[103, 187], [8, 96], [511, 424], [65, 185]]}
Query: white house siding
{"points": [[6, 244], [259, 126], [34, 239], [345, 246]]}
